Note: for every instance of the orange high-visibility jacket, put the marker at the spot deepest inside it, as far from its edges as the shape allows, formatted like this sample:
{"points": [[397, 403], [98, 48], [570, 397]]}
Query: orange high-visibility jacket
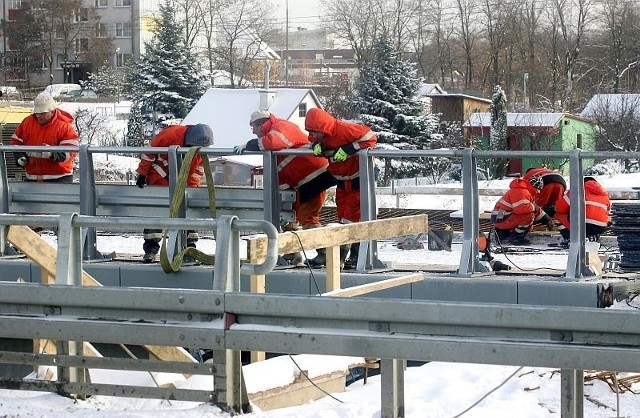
{"points": [[339, 133], [156, 166], [597, 205], [58, 131]]}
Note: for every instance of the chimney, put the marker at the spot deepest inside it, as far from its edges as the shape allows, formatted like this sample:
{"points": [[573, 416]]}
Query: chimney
{"points": [[266, 95]]}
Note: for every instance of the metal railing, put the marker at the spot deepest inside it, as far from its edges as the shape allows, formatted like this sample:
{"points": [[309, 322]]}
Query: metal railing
{"points": [[569, 338]]}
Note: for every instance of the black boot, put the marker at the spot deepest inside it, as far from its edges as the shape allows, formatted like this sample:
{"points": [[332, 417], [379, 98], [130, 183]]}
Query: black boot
{"points": [[344, 250], [352, 262], [320, 259]]}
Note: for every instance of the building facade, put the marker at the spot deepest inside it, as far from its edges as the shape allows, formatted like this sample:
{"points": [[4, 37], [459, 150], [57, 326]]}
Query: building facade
{"points": [[108, 31]]}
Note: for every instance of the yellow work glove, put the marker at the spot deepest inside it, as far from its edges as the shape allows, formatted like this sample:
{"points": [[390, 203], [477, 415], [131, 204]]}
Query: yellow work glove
{"points": [[318, 149], [340, 155]]}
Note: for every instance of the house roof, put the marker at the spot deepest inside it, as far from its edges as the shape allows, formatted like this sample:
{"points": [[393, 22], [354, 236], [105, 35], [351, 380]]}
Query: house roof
{"points": [[520, 119], [227, 111], [426, 89], [459, 95], [615, 103]]}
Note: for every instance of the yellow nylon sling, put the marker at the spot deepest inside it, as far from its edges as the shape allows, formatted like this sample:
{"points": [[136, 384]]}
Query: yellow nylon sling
{"points": [[176, 200]]}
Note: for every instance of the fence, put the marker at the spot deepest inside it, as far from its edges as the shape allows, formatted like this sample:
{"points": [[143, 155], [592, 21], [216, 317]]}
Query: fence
{"points": [[227, 321]]}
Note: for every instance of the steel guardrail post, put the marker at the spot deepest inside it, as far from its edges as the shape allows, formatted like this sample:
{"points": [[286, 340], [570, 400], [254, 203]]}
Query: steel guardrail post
{"points": [[470, 214], [4, 201], [88, 200], [270, 185], [576, 262]]}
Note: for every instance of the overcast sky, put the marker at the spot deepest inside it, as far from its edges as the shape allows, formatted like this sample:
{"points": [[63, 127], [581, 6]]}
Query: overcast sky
{"points": [[301, 12]]}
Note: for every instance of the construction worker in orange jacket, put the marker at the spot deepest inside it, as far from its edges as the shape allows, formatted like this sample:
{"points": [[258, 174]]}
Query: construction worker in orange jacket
{"points": [[552, 191], [516, 211], [48, 125], [306, 174], [153, 170], [596, 207], [344, 140]]}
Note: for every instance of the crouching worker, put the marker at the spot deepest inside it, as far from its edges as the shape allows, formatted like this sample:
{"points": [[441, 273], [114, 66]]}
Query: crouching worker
{"points": [[516, 211], [596, 209], [153, 170]]}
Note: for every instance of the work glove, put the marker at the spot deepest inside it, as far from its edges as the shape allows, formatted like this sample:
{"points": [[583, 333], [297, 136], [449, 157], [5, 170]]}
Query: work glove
{"points": [[239, 149], [318, 148], [58, 156], [340, 155], [21, 158], [141, 181], [550, 210]]}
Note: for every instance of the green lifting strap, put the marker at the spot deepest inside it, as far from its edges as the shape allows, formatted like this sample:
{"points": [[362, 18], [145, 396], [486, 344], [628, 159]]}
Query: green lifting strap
{"points": [[176, 201]]}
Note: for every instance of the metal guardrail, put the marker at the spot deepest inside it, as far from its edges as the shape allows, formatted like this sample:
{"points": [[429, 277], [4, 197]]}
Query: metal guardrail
{"points": [[554, 337], [577, 266], [89, 198]]}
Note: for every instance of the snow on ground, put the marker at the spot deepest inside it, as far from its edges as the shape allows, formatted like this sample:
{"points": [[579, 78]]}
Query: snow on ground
{"points": [[432, 390]]}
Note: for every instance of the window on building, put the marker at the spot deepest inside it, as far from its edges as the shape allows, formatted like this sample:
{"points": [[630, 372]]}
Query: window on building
{"points": [[302, 110], [60, 61], [81, 15], [82, 46], [123, 30], [101, 3], [123, 3], [101, 30], [122, 59], [14, 4], [579, 141]]}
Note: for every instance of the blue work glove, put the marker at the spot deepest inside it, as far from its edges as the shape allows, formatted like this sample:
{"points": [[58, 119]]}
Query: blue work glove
{"points": [[141, 181], [239, 149], [340, 155], [58, 156], [318, 148]]}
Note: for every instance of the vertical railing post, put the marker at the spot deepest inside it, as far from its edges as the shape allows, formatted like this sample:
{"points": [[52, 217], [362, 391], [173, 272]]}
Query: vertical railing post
{"points": [[4, 202], [88, 201], [577, 260], [69, 272], [469, 262], [270, 184], [392, 388], [571, 393], [230, 392], [368, 255]]}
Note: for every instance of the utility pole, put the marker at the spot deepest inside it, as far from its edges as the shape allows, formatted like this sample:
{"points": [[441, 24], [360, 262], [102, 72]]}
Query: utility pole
{"points": [[286, 46]]}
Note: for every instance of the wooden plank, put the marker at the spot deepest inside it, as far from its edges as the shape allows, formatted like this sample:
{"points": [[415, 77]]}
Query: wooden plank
{"points": [[374, 287], [340, 234], [43, 254]]}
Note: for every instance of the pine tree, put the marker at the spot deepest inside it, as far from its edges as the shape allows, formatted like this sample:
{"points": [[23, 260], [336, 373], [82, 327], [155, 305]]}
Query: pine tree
{"points": [[386, 100], [498, 133], [135, 137], [167, 80], [107, 82]]}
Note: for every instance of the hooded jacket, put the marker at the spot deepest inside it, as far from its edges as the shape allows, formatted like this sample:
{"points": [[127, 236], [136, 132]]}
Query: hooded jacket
{"points": [[553, 189], [293, 170], [338, 134], [156, 166], [58, 131], [596, 207], [516, 207]]}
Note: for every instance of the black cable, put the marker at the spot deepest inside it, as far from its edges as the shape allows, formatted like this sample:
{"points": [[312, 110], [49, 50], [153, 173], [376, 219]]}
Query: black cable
{"points": [[312, 382], [307, 262], [502, 248], [319, 294]]}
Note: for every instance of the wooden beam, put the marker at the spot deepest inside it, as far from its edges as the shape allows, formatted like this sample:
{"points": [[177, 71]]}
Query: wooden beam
{"points": [[42, 253], [336, 235], [376, 286]]}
